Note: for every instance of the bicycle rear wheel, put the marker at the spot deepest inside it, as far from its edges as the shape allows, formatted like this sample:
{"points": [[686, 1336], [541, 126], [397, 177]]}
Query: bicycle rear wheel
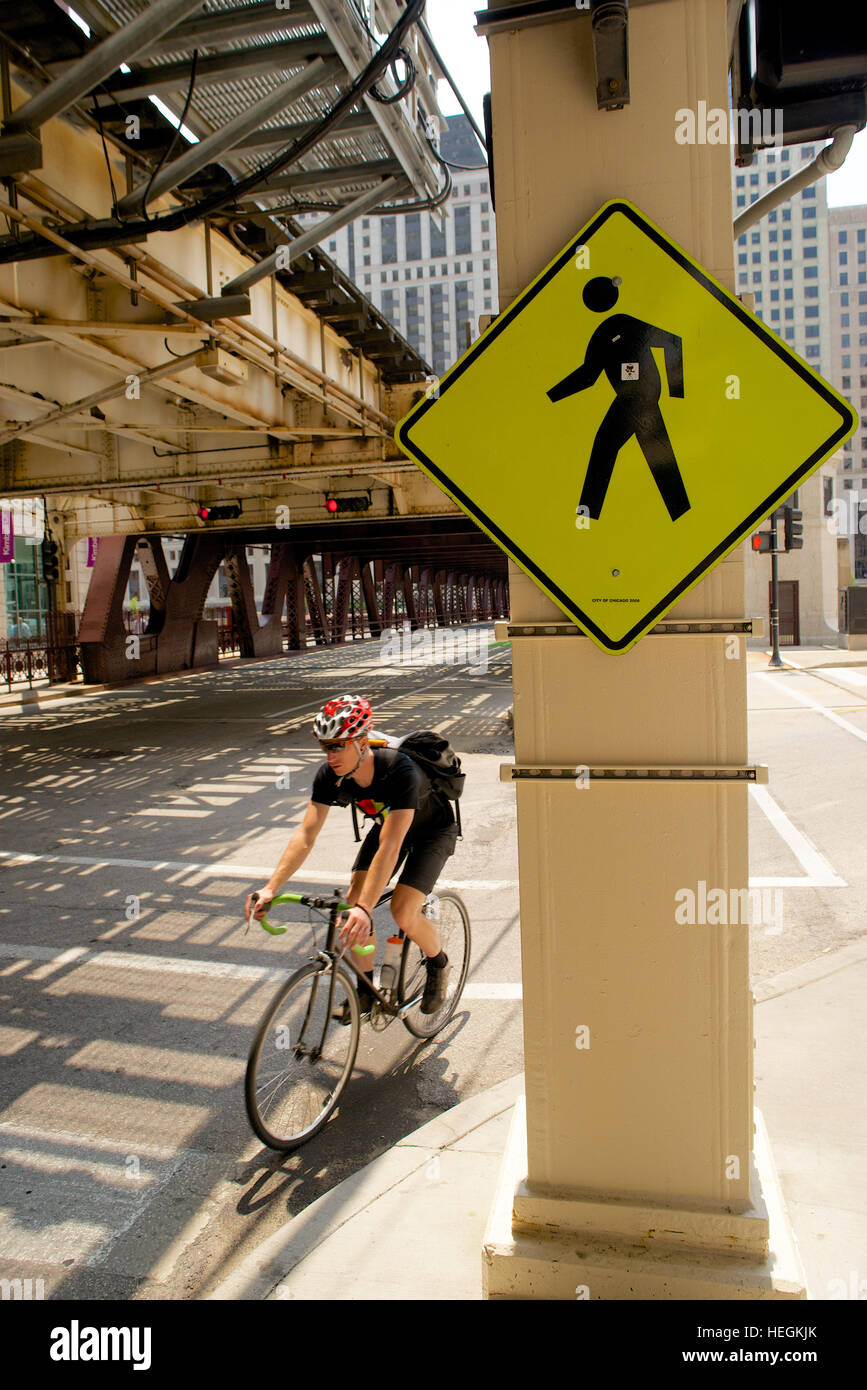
{"points": [[454, 930], [301, 1057]]}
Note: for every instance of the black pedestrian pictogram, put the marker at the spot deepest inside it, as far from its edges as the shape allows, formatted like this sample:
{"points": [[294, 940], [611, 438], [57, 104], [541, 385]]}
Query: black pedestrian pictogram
{"points": [[621, 348]]}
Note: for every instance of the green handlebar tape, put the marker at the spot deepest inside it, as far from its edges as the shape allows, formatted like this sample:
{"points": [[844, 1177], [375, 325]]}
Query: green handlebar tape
{"points": [[363, 950], [294, 898]]}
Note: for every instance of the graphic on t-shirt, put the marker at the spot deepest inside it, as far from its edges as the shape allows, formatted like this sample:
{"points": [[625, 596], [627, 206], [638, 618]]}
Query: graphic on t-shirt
{"points": [[372, 808]]}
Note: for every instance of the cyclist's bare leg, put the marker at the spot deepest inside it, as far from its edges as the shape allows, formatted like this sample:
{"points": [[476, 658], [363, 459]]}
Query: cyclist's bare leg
{"points": [[354, 892], [406, 905]]}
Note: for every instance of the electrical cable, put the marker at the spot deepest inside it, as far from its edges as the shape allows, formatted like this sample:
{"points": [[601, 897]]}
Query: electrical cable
{"points": [[107, 160], [174, 140], [90, 238], [426, 35], [408, 81], [95, 238]]}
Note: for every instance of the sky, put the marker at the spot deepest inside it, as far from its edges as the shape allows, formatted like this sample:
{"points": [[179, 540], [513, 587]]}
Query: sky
{"points": [[466, 56]]}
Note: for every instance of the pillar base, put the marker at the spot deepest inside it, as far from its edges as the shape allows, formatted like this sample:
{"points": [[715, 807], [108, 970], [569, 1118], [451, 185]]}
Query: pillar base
{"points": [[541, 1245]]}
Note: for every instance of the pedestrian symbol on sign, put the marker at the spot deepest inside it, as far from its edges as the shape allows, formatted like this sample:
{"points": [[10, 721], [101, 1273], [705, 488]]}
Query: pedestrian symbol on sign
{"points": [[621, 347]]}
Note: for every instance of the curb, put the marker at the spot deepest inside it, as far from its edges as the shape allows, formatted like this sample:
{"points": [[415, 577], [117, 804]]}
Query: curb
{"points": [[258, 1275]]}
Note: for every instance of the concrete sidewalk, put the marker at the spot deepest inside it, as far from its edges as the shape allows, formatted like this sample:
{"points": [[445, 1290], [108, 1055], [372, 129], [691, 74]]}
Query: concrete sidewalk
{"points": [[411, 1224]]}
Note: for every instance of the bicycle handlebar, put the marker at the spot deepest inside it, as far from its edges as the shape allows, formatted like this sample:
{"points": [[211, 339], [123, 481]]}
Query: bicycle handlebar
{"points": [[306, 901]]}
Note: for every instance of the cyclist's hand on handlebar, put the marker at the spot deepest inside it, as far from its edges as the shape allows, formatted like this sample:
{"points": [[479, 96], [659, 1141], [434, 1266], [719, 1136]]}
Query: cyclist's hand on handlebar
{"points": [[257, 904], [355, 929]]}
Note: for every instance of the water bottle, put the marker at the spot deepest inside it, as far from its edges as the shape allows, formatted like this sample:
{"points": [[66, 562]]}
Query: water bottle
{"points": [[390, 969]]}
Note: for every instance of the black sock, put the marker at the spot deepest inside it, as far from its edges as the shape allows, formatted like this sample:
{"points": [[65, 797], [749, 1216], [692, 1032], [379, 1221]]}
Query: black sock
{"points": [[363, 986], [438, 962]]}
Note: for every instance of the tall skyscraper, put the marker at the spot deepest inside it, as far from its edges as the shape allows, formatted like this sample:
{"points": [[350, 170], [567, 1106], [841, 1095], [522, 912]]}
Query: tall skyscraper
{"points": [[432, 279]]}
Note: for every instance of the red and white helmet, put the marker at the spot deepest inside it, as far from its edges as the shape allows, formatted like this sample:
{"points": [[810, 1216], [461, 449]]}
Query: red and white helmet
{"points": [[346, 717]]}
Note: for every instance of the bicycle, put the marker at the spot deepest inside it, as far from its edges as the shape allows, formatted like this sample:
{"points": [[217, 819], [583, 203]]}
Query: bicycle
{"points": [[293, 1085]]}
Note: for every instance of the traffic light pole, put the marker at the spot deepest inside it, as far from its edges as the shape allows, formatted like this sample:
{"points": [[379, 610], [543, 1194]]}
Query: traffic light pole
{"points": [[775, 663]]}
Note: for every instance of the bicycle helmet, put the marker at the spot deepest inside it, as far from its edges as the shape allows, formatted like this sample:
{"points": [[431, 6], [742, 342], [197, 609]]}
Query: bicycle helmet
{"points": [[346, 717]]}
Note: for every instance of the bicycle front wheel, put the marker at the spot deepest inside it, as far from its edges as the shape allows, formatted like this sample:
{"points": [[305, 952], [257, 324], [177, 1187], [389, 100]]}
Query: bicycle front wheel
{"points": [[454, 930], [302, 1057]]}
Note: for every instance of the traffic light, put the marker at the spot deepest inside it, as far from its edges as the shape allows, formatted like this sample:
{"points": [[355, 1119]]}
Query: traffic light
{"points": [[762, 541], [225, 511], [50, 561], [347, 504], [792, 529]]}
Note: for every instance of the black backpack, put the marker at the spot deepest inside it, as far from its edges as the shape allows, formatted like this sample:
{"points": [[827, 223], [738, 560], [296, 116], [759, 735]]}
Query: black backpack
{"points": [[437, 760]]}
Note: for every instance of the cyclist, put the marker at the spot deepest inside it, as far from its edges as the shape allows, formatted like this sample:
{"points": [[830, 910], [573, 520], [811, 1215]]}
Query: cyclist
{"points": [[413, 823]]}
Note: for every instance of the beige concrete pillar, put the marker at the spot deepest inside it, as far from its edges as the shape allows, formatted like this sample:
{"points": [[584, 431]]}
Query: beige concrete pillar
{"points": [[634, 1176]]}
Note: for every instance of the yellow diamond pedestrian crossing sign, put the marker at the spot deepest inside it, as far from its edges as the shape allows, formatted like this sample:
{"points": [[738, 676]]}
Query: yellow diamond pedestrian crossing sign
{"points": [[623, 425]]}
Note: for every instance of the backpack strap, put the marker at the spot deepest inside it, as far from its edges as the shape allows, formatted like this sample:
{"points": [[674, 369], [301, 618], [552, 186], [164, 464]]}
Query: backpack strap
{"points": [[355, 820]]}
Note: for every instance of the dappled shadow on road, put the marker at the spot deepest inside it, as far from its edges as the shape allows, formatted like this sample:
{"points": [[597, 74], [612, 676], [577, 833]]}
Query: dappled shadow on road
{"points": [[129, 991]]}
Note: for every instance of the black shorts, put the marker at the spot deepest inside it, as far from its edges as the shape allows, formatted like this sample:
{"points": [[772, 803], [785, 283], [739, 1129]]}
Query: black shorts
{"points": [[424, 859]]}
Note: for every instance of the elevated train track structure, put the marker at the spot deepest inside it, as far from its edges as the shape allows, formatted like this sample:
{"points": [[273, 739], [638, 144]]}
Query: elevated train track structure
{"points": [[170, 334]]}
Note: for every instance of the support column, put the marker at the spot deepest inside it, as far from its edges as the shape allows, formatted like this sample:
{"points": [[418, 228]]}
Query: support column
{"points": [[281, 569], [439, 603], [388, 595], [314, 603], [368, 589], [342, 598], [295, 611], [629, 1172], [409, 598], [151, 557]]}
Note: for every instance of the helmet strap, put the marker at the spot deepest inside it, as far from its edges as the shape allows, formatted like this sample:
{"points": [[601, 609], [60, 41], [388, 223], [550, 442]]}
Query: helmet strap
{"points": [[361, 757]]}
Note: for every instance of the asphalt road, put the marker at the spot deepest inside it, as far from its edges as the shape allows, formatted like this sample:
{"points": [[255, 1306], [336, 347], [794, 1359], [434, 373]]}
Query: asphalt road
{"points": [[133, 824]]}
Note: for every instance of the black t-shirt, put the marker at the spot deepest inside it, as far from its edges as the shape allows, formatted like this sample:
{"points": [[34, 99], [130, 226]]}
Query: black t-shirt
{"points": [[398, 785]]}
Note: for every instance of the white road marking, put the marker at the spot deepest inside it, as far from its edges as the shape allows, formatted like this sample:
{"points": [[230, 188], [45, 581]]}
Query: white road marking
{"points": [[255, 871], [820, 873], [215, 969], [854, 677], [813, 704]]}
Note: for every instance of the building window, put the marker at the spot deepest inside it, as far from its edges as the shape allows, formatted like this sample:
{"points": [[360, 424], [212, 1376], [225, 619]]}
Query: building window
{"points": [[486, 246], [412, 224], [463, 230], [389, 240], [437, 239]]}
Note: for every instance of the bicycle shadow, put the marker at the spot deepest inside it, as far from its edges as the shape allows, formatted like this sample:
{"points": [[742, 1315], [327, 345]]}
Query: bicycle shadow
{"points": [[377, 1110]]}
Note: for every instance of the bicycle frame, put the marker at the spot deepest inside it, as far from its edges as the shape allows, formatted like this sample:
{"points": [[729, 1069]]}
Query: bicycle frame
{"points": [[329, 956]]}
